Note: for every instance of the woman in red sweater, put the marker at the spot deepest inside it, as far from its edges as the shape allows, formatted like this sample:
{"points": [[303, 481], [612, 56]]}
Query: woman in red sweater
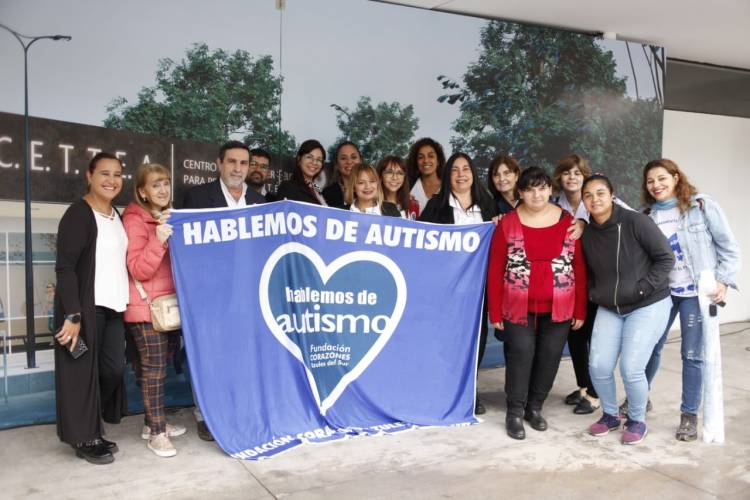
{"points": [[536, 288], [145, 222]]}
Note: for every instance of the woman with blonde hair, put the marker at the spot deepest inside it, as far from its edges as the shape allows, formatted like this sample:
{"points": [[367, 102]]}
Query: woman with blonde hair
{"points": [[364, 193], [701, 240], [150, 273]]}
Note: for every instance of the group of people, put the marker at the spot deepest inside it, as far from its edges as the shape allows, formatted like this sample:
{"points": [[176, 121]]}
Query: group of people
{"points": [[568, 262]]}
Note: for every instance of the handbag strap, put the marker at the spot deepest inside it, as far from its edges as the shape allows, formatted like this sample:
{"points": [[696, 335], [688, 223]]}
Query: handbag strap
{"points": [[141, 291]]}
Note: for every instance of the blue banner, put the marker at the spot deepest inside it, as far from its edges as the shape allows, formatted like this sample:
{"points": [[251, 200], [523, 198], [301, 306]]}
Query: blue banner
{"points": [[307, 324]]}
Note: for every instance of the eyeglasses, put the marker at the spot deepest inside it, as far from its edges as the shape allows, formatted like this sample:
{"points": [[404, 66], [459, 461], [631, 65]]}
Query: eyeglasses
{"points": [[393, 173], [262, 166], [313, 159]]}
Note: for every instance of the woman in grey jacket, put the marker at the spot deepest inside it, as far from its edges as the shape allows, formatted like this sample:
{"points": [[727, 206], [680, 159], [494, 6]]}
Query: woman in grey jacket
{"points": [[629, 261], [701, 240]]}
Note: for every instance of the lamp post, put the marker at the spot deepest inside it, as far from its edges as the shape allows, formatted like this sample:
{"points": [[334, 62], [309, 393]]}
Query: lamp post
{"points": [[26, 42]]}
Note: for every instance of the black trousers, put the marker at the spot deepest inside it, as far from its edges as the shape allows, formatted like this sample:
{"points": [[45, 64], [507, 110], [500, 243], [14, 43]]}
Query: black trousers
{"points": [[110, 331], [90, 388], [482, 336], [532, 357], [579, 344]]}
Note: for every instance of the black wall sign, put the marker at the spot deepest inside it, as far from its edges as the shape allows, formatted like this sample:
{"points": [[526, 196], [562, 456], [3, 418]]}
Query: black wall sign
{"points": [[61, 151]]}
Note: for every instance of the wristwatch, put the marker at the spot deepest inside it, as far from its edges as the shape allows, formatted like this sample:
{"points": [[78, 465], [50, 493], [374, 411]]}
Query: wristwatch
{"points": [[74, 318]]}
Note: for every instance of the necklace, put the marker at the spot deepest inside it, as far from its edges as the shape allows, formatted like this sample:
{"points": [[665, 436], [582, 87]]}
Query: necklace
{"points": [[92, 203]]}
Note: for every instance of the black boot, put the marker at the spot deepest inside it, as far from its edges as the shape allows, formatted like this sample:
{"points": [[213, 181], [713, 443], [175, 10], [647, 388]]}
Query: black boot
{"points": [[514, 427], [688, 429], [536, 419], [479, 408]]}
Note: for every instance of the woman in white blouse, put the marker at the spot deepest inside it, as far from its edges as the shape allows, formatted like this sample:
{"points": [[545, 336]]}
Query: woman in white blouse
{"points": [[462, 200], [91, 295], [425, 164]]}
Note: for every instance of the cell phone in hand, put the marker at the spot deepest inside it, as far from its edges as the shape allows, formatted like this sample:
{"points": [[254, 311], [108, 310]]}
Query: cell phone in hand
{"points": [[78, 350]]}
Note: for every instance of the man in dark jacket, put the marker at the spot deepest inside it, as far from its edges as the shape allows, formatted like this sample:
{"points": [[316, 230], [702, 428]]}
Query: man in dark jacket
{"points": [[230, 189]]}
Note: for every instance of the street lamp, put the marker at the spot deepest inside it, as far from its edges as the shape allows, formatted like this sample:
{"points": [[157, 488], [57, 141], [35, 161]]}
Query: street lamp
{"points": [[26, 41]]}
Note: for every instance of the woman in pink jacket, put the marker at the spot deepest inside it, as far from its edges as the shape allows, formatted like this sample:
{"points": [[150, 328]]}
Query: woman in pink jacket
{"points": [[145, 222]]}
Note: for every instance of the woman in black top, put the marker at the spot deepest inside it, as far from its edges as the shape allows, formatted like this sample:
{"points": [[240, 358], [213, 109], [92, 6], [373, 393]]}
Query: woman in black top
{"points": [[91, 270], [309, 163], [502, 176], [346, 156], [629, 262], [462, 200]]}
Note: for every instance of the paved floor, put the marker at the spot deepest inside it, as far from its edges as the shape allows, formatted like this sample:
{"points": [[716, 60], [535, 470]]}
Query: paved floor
{"points": [[479, 461]]}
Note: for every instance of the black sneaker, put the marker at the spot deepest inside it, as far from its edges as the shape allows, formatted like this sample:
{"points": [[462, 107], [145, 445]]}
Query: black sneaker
{"points": [[624, 408], [94, 453], [574, 397]]}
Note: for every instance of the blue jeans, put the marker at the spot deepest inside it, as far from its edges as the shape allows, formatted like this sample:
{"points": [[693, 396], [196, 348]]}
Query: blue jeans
{"points": [[691, 330], [632, 338]]}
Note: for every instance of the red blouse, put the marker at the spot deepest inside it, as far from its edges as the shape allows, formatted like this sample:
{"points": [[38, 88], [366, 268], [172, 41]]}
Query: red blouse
{"points": [[541, 245]]}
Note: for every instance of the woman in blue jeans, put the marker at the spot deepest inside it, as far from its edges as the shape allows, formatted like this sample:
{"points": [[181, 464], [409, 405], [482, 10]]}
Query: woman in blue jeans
{"points": [[701, 239], [629, 261]]}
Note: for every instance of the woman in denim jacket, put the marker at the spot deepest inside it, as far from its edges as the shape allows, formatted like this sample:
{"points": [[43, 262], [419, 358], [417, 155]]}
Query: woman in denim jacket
{"points": [[701, 239]]}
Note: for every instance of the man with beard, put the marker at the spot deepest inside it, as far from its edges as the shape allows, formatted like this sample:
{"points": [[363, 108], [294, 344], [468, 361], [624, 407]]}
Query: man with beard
{"points": [[229, 190], [260, 166]]}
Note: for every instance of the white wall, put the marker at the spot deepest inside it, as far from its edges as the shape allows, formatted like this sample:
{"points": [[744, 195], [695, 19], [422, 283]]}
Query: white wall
{"points": [[713, 151]]}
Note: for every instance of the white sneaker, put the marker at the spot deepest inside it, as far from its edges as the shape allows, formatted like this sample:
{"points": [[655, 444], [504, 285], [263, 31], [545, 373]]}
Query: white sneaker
{"points": [[161, 445], [173, 430]]}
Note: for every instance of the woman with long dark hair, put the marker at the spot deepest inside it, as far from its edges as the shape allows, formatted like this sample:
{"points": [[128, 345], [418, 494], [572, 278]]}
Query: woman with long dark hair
{"points": [[347, 155], [91, 295], [392, 172], [309, 161], [462, 200], [702, 240], [536, 287]]}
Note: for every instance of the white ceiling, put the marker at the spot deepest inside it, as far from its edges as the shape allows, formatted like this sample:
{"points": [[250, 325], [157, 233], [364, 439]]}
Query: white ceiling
{"points": [[706, 31]]}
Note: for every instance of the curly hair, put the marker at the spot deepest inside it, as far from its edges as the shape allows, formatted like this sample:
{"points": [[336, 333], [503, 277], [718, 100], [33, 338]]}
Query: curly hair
{"points": [[683, 190], [412, 170]]}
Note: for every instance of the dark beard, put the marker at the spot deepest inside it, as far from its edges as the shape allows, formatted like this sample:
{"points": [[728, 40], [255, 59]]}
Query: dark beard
{"points": [[256, 185]]}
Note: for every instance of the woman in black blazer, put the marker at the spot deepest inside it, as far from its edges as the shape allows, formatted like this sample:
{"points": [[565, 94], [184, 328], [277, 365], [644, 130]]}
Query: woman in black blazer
{"points": [[347, 155], [92, 292], [309, 163], [462, 200]]}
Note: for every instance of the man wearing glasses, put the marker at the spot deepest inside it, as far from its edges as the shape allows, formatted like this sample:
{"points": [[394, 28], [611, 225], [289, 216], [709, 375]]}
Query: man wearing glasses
{"points": [[260, 166]]}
